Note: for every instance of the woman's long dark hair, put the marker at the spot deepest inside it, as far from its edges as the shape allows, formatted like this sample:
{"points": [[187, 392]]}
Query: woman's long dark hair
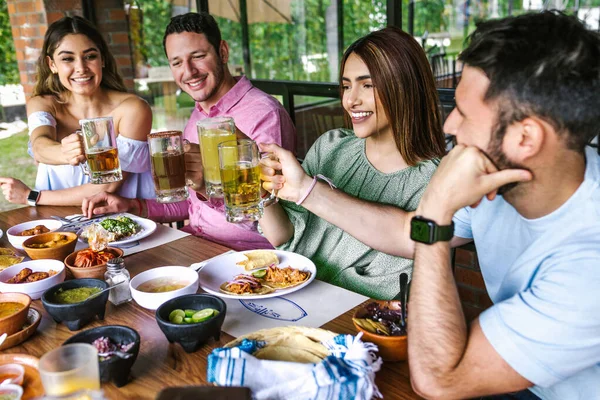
{"points": [[405, 86], [48, 83]]}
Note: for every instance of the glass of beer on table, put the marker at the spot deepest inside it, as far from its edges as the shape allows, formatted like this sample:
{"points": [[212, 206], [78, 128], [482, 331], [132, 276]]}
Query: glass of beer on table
{"points": [[168, 166], [100, 145], [211, 132], [70, 368], [240, 177]]}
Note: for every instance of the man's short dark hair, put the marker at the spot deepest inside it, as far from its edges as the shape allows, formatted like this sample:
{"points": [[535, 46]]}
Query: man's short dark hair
{"points": [[197, 23], [546, 65]]}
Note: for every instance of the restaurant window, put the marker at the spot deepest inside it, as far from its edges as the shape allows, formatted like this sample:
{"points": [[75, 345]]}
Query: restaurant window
{"points": [[171, 107]]}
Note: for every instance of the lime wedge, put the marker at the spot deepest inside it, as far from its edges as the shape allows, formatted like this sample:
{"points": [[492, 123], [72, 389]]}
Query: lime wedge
{"points": [[178, 319], [189, 313], [175, 313], [187, 320], [203, 315], [260, 273]]}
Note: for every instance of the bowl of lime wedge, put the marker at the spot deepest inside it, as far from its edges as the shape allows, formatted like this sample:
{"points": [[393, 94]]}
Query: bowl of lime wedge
{"points": [[191, 320]]}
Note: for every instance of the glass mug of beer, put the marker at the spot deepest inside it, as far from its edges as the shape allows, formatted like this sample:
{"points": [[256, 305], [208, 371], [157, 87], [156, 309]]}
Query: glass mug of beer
{"points": [[70, 368], [240, 177], [211, 132], [168, 166], [100, 145]]}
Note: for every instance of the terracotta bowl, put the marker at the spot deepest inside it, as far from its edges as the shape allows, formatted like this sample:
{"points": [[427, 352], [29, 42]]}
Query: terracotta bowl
{"points": [[391, 348], [53, 253], [96, 272], [14, 322]]}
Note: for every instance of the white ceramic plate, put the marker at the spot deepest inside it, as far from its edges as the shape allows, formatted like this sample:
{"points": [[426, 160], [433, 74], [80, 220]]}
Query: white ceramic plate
{"points": [[224, 268], [148, 227]]}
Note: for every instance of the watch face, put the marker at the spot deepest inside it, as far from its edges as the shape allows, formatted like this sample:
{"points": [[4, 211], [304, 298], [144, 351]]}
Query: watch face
{"points": [[420, 231]]}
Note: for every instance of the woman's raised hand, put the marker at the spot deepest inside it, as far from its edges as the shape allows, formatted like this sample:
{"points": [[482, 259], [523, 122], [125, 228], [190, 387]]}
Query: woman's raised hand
{"points": [[72, 149], [293, 182]]}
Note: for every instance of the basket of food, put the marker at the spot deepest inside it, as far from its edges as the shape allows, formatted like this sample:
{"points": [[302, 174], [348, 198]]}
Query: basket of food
{"points": [[299, 362]]}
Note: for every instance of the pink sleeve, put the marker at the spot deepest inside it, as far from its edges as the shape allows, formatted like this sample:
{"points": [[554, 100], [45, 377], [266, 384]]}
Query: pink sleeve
{"points": [[276, 127], [167, 212]]}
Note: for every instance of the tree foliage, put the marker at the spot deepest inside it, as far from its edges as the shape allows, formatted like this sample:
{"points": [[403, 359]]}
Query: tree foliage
{"points": [[9, 70]]}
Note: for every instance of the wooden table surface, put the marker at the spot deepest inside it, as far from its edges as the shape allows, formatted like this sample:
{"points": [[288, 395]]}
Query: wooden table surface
{"points": [[159, 364]]}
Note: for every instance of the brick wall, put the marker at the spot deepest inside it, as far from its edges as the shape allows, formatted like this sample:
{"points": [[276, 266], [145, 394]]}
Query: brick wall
{"points": [[112, 21], [30, 19], [469, 280]]}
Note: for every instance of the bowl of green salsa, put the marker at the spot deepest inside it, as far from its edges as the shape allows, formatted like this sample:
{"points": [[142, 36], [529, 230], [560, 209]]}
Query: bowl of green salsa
{"points": [[73, 302]]}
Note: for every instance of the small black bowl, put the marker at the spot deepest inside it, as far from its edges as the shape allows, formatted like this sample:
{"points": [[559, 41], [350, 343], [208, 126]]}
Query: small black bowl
{"points": [[75, 316], [115, 369], [191, 336]]}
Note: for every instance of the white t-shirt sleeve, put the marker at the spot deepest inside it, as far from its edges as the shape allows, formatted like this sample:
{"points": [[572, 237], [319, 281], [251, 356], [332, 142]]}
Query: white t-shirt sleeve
{"points": [[550, 330]]}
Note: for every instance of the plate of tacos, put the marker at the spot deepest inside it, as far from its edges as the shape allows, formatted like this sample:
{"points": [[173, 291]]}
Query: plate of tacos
{"points": [[256, 274]]}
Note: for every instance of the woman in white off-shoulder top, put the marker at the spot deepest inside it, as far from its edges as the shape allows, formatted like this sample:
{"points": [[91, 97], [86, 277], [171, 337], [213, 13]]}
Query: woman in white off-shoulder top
{"points": [[77, 78]]}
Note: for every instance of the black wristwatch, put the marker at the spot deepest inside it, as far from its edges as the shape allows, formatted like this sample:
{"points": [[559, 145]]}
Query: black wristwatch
{"points": [[426, 231], [33, 197]]}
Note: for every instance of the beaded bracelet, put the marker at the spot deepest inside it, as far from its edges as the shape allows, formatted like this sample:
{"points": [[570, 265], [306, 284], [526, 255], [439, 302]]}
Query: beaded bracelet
{"points": [[140, 207], [312, 186]]}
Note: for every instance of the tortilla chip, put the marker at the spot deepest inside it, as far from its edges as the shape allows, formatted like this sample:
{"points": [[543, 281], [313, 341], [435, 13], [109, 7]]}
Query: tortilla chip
{"points": [[7, 252], [290, 343], [8, 260], [259, 259]]}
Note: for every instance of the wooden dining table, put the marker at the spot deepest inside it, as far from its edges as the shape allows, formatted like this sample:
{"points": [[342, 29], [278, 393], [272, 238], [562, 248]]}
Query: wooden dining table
{"points": [[159, 364]]}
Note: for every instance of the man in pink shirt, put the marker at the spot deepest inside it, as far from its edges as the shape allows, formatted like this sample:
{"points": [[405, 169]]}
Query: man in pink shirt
{"points": [[198, 60]]}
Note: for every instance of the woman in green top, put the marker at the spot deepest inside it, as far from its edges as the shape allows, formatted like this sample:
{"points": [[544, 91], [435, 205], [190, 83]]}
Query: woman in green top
{"points": [[389, 95]]}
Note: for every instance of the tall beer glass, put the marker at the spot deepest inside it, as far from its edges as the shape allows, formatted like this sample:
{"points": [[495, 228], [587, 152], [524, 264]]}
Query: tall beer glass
{"points": [[100, 145], [168, 166], [211, 132], [240, 177]]}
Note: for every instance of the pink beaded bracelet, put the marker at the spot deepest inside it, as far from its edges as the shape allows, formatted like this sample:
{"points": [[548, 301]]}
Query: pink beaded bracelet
{"points": [[312, 186]]}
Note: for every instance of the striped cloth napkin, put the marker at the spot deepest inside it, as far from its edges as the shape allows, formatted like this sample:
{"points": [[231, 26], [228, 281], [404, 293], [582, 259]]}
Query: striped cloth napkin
{"points": [[347, 373]]}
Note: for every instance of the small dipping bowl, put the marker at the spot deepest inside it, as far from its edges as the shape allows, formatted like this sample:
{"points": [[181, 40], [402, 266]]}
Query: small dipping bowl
{"points": [[58, 252], [14, 372], [152, 301], [391, 348], [76, 315], [11, 389], [95, 272], [115, 369], [14, 322], [192, 336]]}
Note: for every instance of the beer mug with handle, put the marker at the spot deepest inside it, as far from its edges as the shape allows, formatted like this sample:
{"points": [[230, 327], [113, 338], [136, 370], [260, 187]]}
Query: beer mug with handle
{"points": [[211, 132], [240, 177], [100, 146], [168, 166]]}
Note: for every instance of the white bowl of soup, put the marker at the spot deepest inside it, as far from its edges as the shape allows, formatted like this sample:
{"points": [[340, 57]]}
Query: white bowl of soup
{"points": [[153, 287], [19, 233], [32, 277]]}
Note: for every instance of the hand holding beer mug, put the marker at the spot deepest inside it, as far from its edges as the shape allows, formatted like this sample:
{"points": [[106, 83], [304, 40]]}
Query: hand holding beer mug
{"points": [[211, 132], [101, 151], [168, 166], [240, 177]]}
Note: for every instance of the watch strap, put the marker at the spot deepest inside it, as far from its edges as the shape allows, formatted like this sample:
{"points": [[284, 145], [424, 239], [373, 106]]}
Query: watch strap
{"points": [[443, 233], [33, 197]]}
